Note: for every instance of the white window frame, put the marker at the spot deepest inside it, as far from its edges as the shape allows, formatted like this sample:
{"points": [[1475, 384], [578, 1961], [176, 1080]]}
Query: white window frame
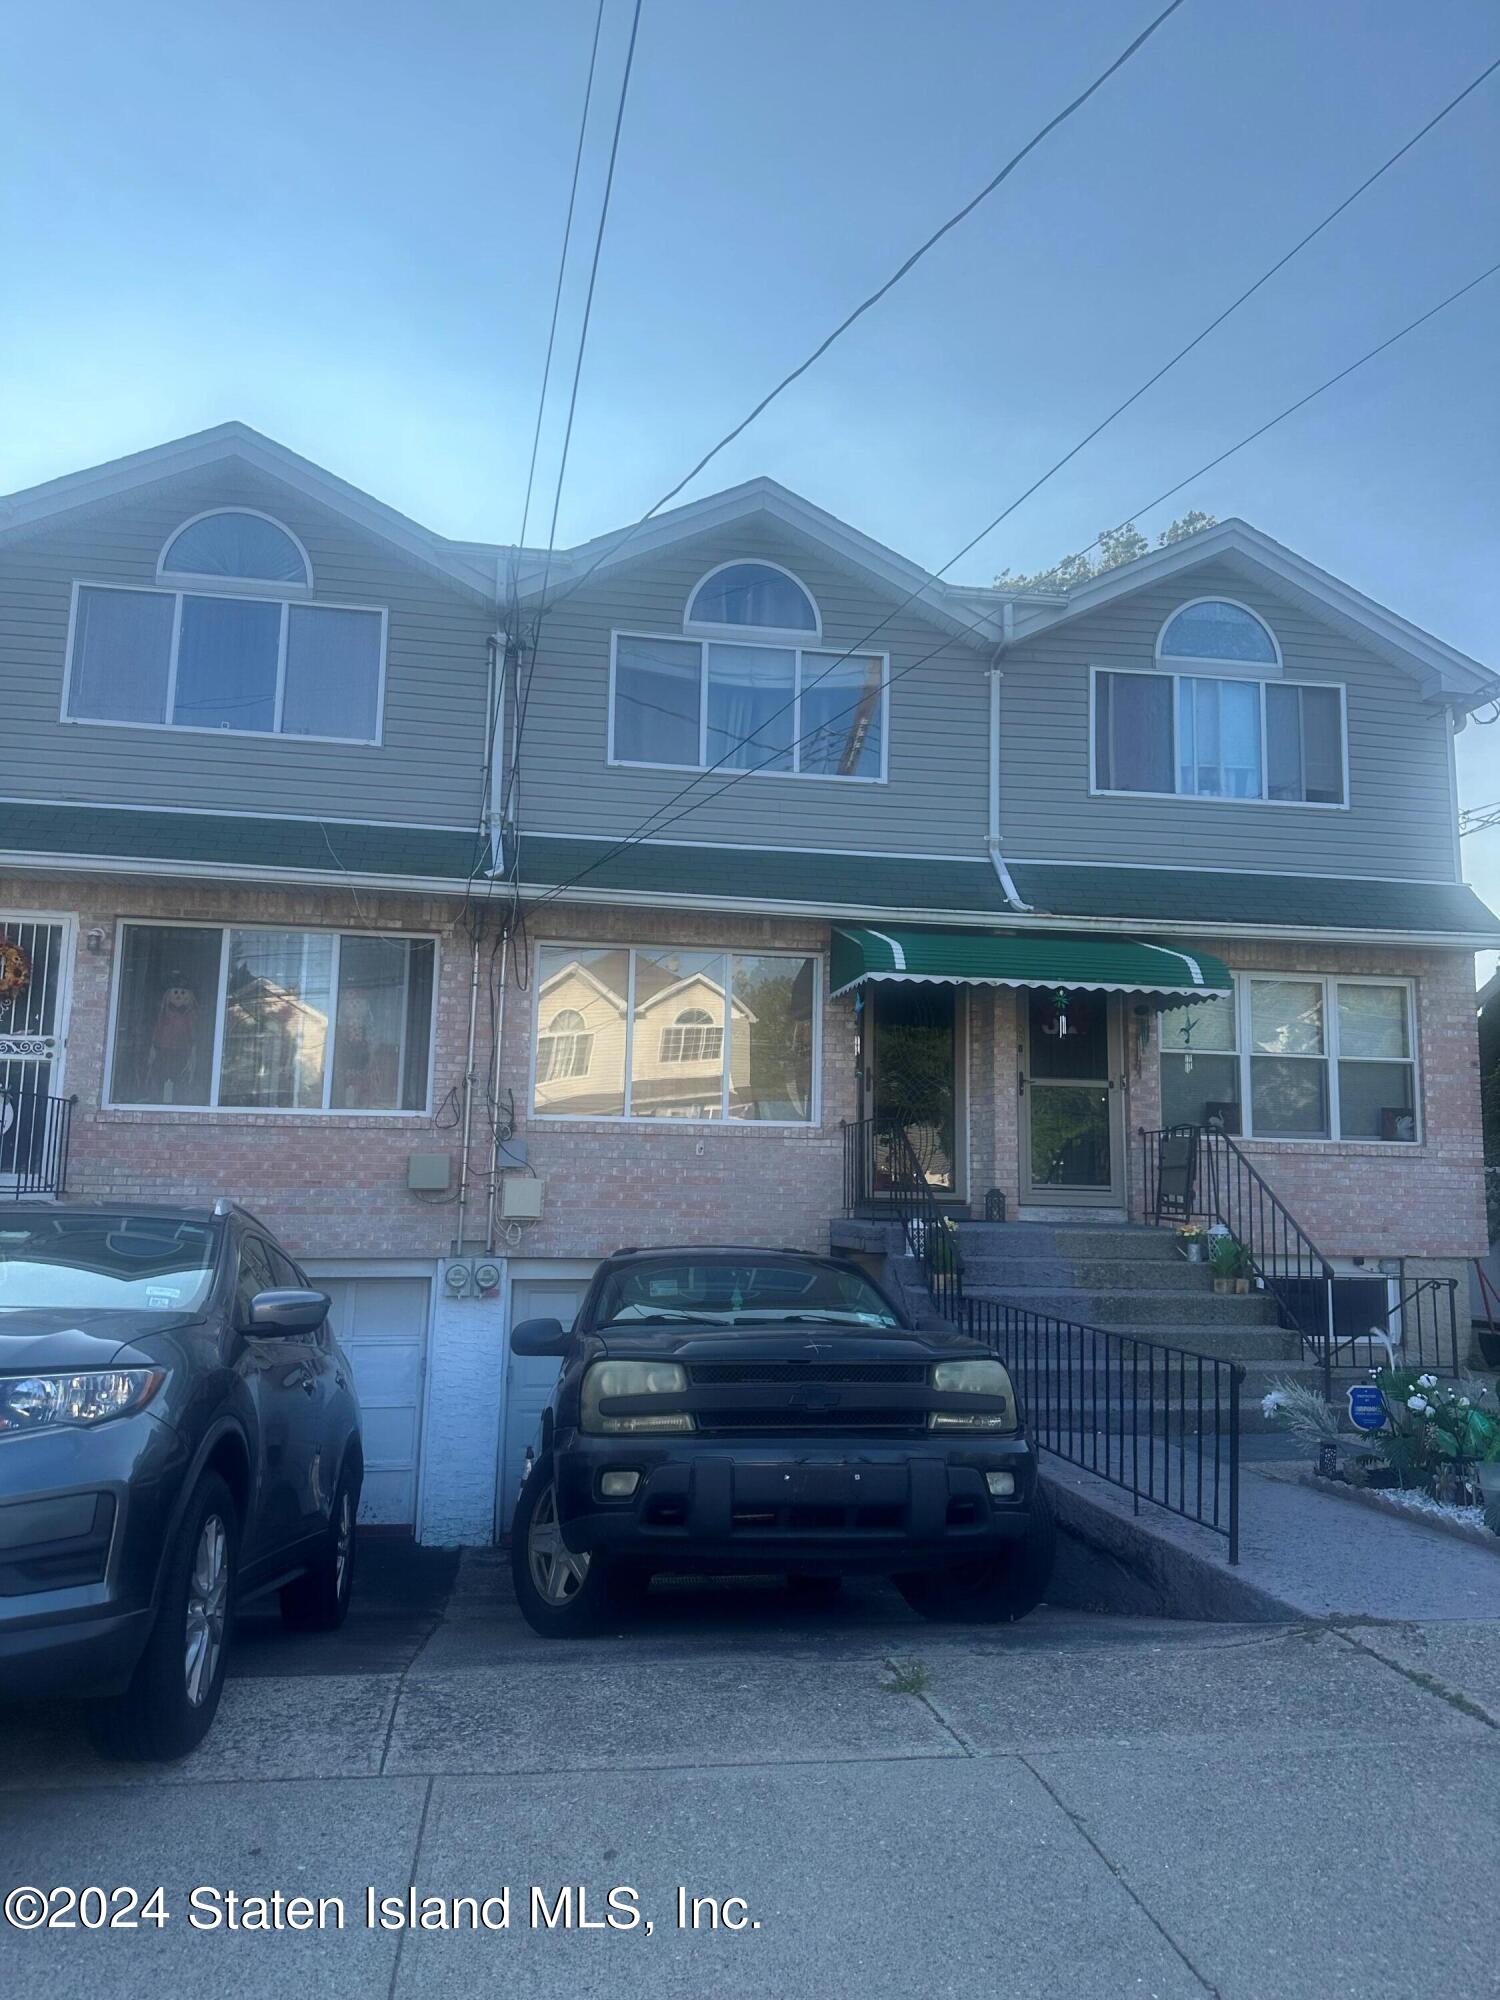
{"points": [[779, 643], [216, 1110], [233, 591], [773, 634], [1201, 673], [1244, 1055], [235, 586], [723, 1123], [1213, 663]]}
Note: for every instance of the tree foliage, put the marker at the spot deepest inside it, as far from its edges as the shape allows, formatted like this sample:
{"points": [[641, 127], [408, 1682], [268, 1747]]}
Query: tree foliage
{"points": [[1115, 546]]}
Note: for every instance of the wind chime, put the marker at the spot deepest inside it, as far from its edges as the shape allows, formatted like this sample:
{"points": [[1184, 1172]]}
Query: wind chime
{"points": [[1061, 1027]]}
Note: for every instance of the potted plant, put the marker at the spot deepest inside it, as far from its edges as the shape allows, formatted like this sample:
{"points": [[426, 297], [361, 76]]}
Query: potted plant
{"points": [[1192, 1239], [1224, 1259], [1309, 1419]]}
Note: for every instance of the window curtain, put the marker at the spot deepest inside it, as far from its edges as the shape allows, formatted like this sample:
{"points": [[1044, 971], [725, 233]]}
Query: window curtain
{"points": [[1219, 739], [747, 686]]}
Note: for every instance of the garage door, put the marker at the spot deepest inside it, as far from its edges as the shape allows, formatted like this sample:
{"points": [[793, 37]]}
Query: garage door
{"points": [[382, 1326]]}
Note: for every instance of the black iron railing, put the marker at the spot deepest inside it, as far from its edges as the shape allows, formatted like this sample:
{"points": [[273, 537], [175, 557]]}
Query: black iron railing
{"points": [[33, 1142], [1193, 1173], [1160, 1422]]}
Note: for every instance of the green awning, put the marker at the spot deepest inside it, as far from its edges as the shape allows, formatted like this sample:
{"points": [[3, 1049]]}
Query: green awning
{"points": [[986, 958]]}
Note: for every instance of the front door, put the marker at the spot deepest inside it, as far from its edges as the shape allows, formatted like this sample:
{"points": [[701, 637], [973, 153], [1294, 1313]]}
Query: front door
{"points": [[1072, 1113], [33, 1021], [914, 1082]]}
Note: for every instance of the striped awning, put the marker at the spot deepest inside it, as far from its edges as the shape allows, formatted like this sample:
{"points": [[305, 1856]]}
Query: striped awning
{"points": [[1041, 958]]}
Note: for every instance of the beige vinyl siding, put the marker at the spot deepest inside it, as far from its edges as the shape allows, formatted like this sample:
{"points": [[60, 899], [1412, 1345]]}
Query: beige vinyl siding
{"points": [[1398, 823], [427, 770], [933, 803]]}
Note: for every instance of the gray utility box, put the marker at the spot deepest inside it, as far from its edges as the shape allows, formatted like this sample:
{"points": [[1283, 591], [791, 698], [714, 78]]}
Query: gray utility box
{"points": [[429, 1173]]}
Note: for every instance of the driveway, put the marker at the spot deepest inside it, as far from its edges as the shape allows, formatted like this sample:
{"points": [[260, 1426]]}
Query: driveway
{"points": [[1080, 1804]]}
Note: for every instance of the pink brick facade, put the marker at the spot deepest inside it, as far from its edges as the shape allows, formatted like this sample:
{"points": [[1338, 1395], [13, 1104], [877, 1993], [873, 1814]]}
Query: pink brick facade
{"points": [[336, 1185]]}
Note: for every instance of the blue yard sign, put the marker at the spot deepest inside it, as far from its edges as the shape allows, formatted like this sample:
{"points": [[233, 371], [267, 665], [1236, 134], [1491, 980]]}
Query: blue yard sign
{"points": [[1366, 1407]]}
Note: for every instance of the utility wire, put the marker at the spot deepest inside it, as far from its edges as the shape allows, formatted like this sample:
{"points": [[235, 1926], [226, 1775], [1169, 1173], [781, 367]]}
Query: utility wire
{"points": [[635, 839], [644, 827], [874, 298], [562, 265]]}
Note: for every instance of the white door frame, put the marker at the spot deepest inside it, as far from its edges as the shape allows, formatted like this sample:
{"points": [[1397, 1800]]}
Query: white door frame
{"points": [[527, 1269], [68, 956]]}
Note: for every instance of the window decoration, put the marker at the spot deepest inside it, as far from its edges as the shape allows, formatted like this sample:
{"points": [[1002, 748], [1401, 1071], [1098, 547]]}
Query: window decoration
{"points": [[1295, 1056], [275, 1020], [698, 1035]]}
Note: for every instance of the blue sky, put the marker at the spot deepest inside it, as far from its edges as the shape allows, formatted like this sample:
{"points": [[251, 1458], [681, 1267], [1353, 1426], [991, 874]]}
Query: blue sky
{"points": [[340, 223]]}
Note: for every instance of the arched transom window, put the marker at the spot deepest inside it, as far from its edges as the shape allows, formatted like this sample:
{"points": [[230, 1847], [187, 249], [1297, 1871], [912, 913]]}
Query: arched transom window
{"points": [[694, 1036], [754, 686], [565, 1049], [228, 641], [1217, 630], [238, 546]]}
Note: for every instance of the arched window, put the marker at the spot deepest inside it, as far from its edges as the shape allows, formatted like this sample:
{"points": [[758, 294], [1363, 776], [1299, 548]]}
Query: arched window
{"points": [[755, 596], [1215, 631], [236, 546], [693, 1037], [566, 1049]]}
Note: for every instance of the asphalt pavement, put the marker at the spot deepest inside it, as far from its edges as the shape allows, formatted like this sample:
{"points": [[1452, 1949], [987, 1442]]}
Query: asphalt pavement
{"points": [[784, 1798]]}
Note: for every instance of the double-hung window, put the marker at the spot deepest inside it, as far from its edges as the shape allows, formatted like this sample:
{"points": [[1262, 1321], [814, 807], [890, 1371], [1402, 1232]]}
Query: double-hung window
{"points": [[751, 689], [1194, 727], [227, 640], [1295, 1056], [252, 1018], [697, 1035]]}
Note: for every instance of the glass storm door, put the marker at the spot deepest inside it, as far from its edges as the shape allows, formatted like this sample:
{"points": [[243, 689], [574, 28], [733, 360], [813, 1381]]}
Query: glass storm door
{"points": [[912, 1079], [33, 972], [1071, 1115]]}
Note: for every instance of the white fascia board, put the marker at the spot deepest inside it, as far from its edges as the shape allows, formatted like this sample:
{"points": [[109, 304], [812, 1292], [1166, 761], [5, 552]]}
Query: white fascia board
{"points": [[38, 504], [1444, 673]]}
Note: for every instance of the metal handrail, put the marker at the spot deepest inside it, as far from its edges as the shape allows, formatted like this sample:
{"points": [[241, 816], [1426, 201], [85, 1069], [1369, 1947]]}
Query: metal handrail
{"points": [[1159, 1422], [34, 1135], [1189, 1171]]}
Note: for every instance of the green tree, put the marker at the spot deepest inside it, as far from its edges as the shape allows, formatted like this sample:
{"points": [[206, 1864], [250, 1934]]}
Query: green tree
{"points": [[1115, 546]]}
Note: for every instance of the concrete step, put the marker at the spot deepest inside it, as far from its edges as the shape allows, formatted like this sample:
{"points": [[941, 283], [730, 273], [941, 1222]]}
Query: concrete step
{"points": [[1051, 1398], [1138, 1310], [1065, 1240], [1086, 1274]]}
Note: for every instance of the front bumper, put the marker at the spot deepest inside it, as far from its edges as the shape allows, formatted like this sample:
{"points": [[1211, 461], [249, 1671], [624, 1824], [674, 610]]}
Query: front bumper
{"points": [[800, 1503], [76, 1608]]}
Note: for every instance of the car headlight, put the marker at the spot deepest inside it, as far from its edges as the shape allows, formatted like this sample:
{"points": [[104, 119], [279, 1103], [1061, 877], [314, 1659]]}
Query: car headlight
{"points": [[634, 1378], [92, 1396], [974, 1378]]}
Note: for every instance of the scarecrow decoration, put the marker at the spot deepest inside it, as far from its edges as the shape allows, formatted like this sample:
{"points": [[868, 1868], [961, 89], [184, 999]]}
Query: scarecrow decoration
{"points": [[15, 971], [172, 1057]]}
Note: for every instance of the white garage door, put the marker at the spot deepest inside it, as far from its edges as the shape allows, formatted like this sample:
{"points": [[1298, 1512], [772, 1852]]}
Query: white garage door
{"points": [[382, 1326]]}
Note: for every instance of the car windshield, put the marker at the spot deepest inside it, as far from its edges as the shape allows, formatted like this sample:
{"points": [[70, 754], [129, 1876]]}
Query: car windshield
{"points": [[117, 1263], [740, 1294]]}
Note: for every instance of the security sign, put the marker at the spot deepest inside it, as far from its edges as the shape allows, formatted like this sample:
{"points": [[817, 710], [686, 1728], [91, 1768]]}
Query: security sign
{"points": [[1367, 1410]]}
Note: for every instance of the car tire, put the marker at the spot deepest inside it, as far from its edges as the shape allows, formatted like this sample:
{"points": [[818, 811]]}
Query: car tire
{"points": [[170, 1703], [562, 1596], [990, 1590], [319, 1600]]}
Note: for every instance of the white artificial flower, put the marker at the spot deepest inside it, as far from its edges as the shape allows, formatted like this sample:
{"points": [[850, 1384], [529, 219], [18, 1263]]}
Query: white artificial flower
{"points": [[1270, 1404], [1418, 1403], [1463, 1403], [1427, 1381]]}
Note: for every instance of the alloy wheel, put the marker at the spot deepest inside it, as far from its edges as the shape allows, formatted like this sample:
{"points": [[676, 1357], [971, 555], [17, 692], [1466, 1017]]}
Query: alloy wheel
{"points": [[556, 1572], [207, 1609]]}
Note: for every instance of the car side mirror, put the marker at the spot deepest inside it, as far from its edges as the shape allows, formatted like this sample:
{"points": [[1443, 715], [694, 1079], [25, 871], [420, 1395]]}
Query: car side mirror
{"points": [[287, 1312], [538, 1337]]}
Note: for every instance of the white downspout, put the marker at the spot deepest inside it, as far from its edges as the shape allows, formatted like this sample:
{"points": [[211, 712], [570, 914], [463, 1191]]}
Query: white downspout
{"points": [[992, 836]]}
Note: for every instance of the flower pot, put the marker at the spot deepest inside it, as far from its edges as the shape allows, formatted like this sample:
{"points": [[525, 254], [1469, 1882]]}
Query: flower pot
{"points": [[1193, 1252], [1223, 1286], [1241, 1286]]}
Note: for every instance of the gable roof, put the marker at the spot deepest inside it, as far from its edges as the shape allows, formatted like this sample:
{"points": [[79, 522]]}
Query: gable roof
{"points": [[35, 505], [1445, 674], [976, 615]]}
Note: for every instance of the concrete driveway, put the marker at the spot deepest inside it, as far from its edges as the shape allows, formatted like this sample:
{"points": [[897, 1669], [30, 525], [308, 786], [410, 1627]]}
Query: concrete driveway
{"points": [[1084, 1805]]}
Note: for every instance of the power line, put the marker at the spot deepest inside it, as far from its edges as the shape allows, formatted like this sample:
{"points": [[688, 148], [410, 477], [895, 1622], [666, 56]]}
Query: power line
{"points": [[562, 265], [635, 839], [874, 298], [1058, 464]]}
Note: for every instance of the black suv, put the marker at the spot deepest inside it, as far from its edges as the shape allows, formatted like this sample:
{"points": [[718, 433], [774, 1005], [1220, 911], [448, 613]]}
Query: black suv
{"points": [[737, 1411], [178, 1430]]}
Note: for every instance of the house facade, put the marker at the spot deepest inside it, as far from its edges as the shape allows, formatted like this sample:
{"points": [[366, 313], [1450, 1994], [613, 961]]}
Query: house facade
{"points": [[468, 925]]}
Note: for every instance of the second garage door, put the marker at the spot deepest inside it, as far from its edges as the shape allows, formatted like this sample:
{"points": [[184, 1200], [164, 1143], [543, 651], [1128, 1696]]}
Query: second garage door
{"points": [[382, 1325]]}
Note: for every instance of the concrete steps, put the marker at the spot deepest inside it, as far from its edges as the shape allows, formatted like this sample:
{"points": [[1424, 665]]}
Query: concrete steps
{"points": [[1155, 1312]]}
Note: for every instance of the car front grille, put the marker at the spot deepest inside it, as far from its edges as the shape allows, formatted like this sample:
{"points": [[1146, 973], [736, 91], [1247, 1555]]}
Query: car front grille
{"points": [[801, 1398], [855, 1372]]}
